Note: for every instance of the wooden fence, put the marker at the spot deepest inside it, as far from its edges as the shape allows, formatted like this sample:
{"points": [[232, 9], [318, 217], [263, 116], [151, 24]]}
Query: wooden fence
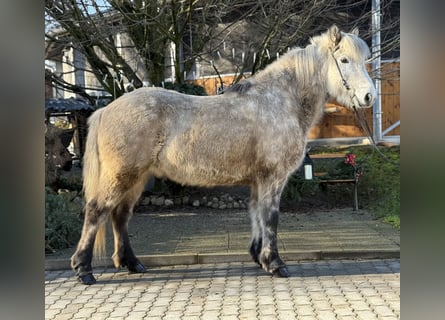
{"points": [[338, 121]]}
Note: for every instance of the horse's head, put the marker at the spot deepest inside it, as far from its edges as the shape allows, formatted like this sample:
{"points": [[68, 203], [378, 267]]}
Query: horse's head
{"points": [[348, 82]]}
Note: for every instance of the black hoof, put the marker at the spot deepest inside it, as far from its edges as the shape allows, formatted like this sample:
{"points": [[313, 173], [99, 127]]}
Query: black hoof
{"points": [[282, 272], [255, 249], [87, 279], [137, 268]]}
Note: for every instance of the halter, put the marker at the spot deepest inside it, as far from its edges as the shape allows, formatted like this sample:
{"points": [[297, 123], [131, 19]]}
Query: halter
{"points": [[353, 97], [361, 118]]}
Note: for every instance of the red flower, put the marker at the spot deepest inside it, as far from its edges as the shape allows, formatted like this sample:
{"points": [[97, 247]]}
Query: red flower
{"points": [[350, 159]]}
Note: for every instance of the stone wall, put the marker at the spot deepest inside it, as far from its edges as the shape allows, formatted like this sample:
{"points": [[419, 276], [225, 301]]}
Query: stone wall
{"points": [[222, 201]]}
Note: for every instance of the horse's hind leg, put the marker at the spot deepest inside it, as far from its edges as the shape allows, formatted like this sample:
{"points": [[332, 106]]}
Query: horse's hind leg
{"points": [[123, 253], [268, 211], [95, 216]]}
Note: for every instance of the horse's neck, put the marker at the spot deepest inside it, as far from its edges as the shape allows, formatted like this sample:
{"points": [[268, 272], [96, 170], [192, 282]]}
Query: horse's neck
{"points": [[304, 81], [310, 110]]}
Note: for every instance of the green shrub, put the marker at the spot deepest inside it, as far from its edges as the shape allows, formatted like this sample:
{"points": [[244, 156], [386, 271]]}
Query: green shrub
{"points": [[71, 180], [296, 187], [381, 182], [63, 223]]}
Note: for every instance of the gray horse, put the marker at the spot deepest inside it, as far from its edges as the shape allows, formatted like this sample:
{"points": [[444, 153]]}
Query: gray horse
{"points": [[254, 134]]}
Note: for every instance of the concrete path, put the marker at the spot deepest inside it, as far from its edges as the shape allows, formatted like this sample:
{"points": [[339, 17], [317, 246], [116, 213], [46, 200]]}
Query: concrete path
{"points": [[190, 236]]}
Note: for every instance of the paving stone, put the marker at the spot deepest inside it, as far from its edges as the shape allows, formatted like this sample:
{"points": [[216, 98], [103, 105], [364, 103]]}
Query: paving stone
{"points": [[181, 296], [321, 304], [338, 301], [353, 296], [343, 311], [347, 317], [190, 317], [233, 291], [172, 315], [116, 298], [394, 305], [266, 309], [284, 304], [52, 313], [61, 304], [101, 316], [210, 314], [305, 310], [141, 307], [264, 300], [229, 309], [213, 304], [87, 311], [248, 304], [326, 315], [286, 314], [302, 300], [307, 317], [228, 317], [384, 311], [73, 308], [106, 307], [359, 305], [120, 312], [366, 315], [128, 302], [193, 309], [248, 314]]}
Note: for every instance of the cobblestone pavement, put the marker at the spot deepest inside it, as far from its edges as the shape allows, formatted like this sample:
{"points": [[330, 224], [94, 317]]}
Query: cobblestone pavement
{"points": [[328, 289]]}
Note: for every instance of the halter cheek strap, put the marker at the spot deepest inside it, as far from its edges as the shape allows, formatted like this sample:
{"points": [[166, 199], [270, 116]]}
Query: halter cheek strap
{"points": [[353, 97]]}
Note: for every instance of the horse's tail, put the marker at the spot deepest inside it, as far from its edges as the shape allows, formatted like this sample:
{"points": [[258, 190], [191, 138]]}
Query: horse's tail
{"points": [[99, 243], [91, 176]]}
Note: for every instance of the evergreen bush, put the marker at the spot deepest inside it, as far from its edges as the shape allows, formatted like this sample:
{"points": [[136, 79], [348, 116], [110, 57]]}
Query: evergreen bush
{"points": [[63, 223]]}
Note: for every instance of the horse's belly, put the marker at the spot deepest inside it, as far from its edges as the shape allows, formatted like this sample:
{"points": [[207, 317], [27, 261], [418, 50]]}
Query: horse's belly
{"points": [[205, 168], [204, 175]]}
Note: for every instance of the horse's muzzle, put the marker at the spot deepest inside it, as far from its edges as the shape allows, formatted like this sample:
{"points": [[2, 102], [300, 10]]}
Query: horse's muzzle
{"points": [[369, 99], [366, 102]]}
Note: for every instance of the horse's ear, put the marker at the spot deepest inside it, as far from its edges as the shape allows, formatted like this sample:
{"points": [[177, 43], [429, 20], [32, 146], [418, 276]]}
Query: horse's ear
{"points": [[354, 31], [334, 35]]}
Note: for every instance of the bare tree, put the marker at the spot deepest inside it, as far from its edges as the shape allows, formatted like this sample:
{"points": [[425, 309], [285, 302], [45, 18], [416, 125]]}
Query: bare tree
{"points": [[196, 31], [278, 25]]}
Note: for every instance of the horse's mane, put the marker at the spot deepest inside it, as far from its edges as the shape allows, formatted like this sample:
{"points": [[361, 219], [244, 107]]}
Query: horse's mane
{"points": [[241, 87], [297, 60], [349, 43], [305, 61]]}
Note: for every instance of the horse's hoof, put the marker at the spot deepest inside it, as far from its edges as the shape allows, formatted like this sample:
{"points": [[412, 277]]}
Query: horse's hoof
{"points": [[87, 279], [138, 268], [282, 272]]}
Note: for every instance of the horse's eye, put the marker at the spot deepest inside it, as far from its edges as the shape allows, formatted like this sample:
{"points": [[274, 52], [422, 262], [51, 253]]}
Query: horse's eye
{"points": [[344, 60]]}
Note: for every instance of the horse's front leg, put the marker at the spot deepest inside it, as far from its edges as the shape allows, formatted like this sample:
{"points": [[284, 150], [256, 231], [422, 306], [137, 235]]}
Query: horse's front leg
{"points": [[257, 240], [268, 210]]}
